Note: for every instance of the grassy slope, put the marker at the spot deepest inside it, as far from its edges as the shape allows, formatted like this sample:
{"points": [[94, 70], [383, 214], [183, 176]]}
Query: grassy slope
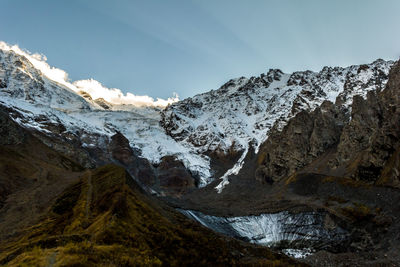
{"points": [[31, 178], [101, 218]]}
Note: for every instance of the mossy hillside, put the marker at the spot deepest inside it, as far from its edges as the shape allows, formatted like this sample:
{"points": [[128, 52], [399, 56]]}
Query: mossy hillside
{"points": [[103, 221]]}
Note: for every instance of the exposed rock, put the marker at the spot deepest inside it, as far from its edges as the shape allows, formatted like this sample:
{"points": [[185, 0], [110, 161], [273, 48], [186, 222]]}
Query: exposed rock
{"points": [[360, 147], [2, 84], [85, 95], [390, 174], [55, 127], [303, 139], [103, 103], [222, 160], [120, 149], [373, 135], [174, 177], [10, 132], [170, 177], [139, 168]]}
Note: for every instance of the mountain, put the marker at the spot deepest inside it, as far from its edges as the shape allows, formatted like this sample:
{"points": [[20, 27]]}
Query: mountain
{"points": [[56, 213], [305, 163], [238, 117], [333, 168], [215, 128]]}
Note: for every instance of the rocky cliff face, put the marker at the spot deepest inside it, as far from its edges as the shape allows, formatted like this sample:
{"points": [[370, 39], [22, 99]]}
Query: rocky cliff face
{"points": [[370, 142], [329, 140], [302, 140], [244, 112], [169, 177]]}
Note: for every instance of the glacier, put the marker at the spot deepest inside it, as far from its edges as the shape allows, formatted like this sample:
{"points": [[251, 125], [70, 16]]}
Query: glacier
{"points": [[296, 234]]}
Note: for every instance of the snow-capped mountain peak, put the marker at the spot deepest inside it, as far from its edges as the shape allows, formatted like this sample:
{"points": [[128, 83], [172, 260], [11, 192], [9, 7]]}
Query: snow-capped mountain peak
{"points": [[240, 114], [35, 67], [236, 117]]}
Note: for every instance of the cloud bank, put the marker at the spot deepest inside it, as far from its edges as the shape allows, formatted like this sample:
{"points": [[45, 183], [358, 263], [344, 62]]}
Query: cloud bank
{"points": [[116, 96], [94, 88]]}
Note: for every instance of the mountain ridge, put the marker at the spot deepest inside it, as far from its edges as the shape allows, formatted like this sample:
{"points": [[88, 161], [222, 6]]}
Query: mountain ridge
{"points": [[55, 212], [320, 144], [249, 108]]}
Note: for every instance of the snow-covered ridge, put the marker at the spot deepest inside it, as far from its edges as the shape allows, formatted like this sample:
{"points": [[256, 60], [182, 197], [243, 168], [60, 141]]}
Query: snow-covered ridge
{"points": [[240, 114], [237, 116], [94, 88], [88, 111]]}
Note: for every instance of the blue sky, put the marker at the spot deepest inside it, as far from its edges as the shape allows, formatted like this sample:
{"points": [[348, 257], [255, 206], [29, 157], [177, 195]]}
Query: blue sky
{"points": [[157, 47]]}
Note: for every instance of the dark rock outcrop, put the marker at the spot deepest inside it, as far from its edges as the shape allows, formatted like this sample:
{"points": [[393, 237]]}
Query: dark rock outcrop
{"points": [[170, 177], [361, 147], [372, 137], [174, 177], [120, 149], [2, 84], [10, 132], [303, 139], [140, 168]]}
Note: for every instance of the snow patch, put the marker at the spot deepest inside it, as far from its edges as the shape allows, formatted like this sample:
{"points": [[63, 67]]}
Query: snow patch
{"points": [[298, 253], [233, 171]]}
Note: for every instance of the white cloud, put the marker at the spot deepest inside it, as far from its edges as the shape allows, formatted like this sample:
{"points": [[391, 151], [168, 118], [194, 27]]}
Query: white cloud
{"points": [[92, 87], [116, 96]]}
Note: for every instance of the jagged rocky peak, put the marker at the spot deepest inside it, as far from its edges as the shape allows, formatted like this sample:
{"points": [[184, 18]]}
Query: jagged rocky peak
{"points": [[362, 144], [273, 75], [243, 83], [300, 91], [198, 131], [242, 112], [24, 81], [303, 139], [20, 78]]}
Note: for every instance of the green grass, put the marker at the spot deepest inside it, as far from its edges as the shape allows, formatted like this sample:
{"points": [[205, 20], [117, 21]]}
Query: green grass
{"points": [[102, 221]]}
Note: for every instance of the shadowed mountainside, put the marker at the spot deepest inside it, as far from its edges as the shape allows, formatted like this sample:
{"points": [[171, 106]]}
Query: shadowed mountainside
{"points": [[331, 160], [55, 213]]}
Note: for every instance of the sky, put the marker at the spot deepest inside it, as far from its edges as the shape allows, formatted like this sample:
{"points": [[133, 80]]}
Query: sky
{"points": [[158, 47]]}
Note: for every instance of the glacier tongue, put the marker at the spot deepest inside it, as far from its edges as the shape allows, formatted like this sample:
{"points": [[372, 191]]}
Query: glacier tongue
{"points": [[295, 234]]}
